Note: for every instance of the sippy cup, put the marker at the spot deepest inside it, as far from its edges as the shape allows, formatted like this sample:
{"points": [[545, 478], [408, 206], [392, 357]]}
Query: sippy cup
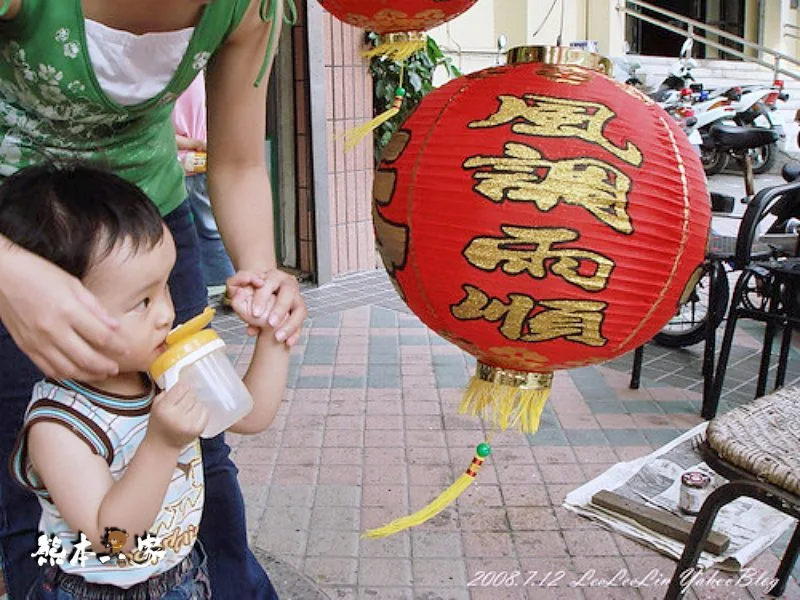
{"points": [[197, 356]]}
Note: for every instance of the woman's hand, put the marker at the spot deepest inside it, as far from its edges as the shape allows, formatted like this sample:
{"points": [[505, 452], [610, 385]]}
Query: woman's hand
{"points": [[187, 144], [56, 321], [271, 298]]}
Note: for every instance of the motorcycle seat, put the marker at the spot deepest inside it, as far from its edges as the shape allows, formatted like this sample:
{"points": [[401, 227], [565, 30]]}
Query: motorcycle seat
{"points": [[742, 138], [790, 172]]}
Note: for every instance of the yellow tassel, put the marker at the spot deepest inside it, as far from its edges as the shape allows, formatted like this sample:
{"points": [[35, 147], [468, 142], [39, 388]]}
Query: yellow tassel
{"points": [[353, 136], [507, 398], [398, 46], [439, 503]]}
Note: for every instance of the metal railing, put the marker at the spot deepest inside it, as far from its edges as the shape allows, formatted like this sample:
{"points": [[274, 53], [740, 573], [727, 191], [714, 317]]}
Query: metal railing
{"points": [[689, 28]]}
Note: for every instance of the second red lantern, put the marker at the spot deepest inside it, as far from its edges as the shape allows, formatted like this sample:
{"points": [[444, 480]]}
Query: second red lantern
{"points": [[540, 216]]}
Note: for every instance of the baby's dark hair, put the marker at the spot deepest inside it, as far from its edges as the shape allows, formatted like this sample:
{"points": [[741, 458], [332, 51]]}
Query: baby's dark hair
{"points": [[74, 214]]}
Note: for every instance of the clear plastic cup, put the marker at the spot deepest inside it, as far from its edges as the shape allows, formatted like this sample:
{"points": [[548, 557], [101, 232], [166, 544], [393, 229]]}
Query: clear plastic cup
{"points": [[196, 356]]}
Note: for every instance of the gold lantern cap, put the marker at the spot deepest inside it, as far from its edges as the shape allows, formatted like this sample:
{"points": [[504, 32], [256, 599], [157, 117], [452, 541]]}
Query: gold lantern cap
{"points": [[559, 55]]}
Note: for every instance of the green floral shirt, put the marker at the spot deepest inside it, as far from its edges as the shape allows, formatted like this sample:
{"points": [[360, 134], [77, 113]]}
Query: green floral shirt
{"points": [[52, 106]]}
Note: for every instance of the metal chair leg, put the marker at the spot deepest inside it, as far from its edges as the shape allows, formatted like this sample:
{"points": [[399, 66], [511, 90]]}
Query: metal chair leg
{"points": [[636, 371], [773, 308], [711, 403], [787, 564], [686, 569], [717, 270]]}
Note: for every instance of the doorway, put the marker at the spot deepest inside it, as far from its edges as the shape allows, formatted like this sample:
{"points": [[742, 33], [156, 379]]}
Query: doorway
{"points": [[651, 40]]}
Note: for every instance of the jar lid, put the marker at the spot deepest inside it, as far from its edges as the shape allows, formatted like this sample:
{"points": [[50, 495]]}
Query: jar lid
{"points": [[182, 341], [695, 479]]}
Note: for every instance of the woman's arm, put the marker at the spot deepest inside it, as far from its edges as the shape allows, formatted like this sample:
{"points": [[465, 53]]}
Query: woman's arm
{"points": [[54, 320], [237, 173]]}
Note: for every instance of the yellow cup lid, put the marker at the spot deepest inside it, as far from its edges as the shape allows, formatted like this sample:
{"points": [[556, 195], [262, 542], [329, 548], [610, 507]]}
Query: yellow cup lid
{"points": [[182, 341]]}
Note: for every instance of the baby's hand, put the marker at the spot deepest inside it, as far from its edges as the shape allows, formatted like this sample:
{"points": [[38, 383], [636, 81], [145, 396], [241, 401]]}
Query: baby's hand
{"points": [[269, 299], [177, 417]]}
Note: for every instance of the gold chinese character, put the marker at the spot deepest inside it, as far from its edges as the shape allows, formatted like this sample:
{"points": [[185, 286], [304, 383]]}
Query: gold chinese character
{"points": [[575, 320], [531, 249], [545, 116], [477, 305], [523, 175]]}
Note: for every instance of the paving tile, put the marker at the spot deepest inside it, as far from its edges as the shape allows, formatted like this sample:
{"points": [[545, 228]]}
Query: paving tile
{"points": [[337, 495], [594, 454], [596, 542], [625, 437], [381, 593], [554, 455], [439, 572], [326, 569], [532, 518], [488, 544], [384, 572], [326, 542], [436, 544], [524, 495], [539, 543], [396, 545], [586, 437]]}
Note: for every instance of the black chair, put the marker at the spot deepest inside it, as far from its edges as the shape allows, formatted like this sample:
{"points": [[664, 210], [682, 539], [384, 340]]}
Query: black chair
{"points": [[756, 449], [732, 254], [765, 291]]}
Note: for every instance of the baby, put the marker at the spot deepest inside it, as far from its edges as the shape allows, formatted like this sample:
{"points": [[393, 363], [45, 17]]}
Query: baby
{"points": [[116, 463]]}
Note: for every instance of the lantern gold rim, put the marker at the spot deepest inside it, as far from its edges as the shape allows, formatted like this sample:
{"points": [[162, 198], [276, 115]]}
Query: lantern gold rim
{"points": [[514, 378], [559, 55], [404, 36]]}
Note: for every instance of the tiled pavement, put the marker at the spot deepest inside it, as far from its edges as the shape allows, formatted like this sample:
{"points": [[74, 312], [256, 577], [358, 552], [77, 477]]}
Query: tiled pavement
{"points": [[369, 431]]}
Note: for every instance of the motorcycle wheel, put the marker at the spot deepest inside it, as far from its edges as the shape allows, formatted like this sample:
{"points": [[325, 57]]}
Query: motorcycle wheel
{"points": [[763, 158], [688, 326], [714, 160]]}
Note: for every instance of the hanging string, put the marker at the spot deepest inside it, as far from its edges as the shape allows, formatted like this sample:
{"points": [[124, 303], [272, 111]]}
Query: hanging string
{"points": [[442, 501], [353, 137], [267, 11]]}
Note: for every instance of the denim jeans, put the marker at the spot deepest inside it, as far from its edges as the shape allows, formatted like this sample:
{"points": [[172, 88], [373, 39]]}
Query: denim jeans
{"points": [[185, 581], [217, 266], [235, 572]]}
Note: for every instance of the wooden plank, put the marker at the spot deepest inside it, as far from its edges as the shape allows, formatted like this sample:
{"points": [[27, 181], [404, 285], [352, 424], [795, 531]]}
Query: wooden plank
{"points": [[658, 520]]}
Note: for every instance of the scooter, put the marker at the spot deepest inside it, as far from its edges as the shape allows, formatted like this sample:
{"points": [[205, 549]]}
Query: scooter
{"points": [[754, 106], [680, 77]]}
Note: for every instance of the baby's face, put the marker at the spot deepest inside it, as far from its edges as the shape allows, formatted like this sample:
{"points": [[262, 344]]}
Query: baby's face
{"points": [[132, 287]]}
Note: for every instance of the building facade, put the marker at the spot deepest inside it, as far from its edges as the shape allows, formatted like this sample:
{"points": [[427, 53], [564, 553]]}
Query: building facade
{"points": [[321, 87]]}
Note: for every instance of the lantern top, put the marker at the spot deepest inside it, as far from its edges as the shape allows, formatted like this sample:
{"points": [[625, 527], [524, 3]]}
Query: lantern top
{"points": [[559, 55]]}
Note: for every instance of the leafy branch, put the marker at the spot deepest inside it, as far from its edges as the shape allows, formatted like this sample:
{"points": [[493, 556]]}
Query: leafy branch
{"points": [[417, 81]]}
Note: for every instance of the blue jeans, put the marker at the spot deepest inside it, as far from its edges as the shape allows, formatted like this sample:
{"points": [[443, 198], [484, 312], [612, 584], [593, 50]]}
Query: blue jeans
{"points": [[235, 572], [187, 580], [217, 266]]}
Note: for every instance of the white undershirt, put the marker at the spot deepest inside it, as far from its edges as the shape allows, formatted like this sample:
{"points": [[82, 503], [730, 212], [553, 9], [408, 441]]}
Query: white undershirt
{"points": [[133, 68]]}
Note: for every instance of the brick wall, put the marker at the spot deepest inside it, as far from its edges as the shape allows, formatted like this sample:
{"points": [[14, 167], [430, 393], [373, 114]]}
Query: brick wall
{"points": [[349, 102]]}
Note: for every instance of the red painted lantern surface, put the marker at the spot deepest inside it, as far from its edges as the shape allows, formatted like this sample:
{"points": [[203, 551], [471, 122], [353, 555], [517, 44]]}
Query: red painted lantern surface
{"points": [[541, 216], [393, 16]]}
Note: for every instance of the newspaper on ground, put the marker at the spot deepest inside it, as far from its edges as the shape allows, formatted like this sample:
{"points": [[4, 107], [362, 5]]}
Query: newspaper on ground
{"points": [[655, 480]]}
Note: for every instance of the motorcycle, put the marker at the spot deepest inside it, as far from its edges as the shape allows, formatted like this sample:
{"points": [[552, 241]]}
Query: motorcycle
{"points": [[752, 106]]}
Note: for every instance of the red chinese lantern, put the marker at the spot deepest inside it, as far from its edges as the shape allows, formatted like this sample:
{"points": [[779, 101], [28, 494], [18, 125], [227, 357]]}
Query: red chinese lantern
{"points": [[541, 216], [401, 22]]}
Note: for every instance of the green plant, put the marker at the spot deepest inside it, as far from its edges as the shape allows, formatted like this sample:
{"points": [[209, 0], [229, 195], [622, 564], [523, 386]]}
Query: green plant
{"points": [[417, 81]]}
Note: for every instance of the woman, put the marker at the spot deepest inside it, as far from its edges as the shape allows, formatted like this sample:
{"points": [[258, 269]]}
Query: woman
{"points": [[97, 79]]}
